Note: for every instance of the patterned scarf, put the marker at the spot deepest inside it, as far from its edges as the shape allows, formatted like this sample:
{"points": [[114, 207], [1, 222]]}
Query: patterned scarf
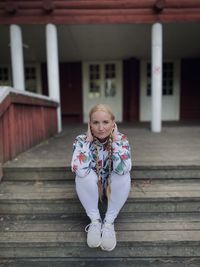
{"points": [[100, 185]]}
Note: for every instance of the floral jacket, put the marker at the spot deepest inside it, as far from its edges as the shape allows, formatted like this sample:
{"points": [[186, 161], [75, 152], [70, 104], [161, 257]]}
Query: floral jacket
{"points": [[83, 159]]}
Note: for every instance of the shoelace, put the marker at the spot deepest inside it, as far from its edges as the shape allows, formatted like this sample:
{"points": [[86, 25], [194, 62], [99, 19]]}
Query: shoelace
{"points": [[92, 225], [108, 229]]}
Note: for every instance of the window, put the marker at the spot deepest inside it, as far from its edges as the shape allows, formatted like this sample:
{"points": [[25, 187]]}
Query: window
{"points": [[110, 80], [168, 79], [5, 76], [31, 78], [102, 80]]}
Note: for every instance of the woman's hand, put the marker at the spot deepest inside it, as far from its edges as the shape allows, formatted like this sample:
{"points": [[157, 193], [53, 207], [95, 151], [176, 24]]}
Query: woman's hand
{"points": [[114, 132], [89, 136]]}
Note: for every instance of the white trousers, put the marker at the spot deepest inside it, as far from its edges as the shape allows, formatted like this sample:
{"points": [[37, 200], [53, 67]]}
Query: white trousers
{"points": [[87, 191]]}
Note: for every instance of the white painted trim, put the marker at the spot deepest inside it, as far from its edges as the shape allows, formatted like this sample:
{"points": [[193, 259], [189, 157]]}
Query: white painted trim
{"points": [[176, 89], [37, 66], [85, 90], [177, 85], [6, 90], [17, 57], [53, 68], [143, 83], [85, 87], [156, 77]]}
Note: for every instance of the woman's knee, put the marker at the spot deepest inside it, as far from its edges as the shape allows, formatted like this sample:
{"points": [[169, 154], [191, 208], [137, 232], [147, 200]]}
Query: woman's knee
{"points": [[90, 177], [123, 178]]}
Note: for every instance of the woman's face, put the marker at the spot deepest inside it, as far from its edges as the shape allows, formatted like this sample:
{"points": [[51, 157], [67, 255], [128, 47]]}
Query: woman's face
{"points": [[101, 125]]}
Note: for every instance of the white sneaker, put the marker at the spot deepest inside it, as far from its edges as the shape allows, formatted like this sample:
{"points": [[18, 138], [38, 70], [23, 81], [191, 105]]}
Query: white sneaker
{"points": [[93, 231], [108, 239]]}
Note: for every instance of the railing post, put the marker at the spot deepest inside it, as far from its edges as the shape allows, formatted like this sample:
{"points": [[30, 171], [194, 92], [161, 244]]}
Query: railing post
{"points": [[156, 74], [53, 68], [17, 59]]}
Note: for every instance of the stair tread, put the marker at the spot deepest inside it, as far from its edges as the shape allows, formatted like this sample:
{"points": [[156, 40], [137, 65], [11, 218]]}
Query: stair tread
{"points": [[60, 226], [63, 190], [99, 262], [123, 217], [148, 185], [153, 233], [160, 196], [7, 238]]}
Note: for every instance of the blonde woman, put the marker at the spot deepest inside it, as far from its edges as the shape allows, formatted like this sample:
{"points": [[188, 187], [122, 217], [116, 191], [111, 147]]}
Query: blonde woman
{"points": [[102, 162]]}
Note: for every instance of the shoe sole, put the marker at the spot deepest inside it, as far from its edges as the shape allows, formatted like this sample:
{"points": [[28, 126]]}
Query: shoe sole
{"points": [[108, 249], [95, 246]]}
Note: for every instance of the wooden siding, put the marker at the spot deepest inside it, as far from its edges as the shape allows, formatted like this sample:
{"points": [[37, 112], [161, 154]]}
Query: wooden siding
{"points": [[24, 122], [95, 11], [190, 89]]}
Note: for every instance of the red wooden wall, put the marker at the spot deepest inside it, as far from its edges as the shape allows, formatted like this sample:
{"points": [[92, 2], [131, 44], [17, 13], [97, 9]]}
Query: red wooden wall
{"points": [[24, 122], [190, 89]]}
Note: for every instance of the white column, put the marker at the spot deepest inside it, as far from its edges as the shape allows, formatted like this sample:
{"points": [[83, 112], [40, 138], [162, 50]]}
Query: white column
{"points": [[17, 59], [53, 68], [156, 74]]}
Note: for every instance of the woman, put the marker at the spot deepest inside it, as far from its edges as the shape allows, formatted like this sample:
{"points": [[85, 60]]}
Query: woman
{"points": [[102, 163]]}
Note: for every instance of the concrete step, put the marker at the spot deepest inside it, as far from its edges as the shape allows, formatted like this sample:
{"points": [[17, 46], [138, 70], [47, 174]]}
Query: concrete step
{"points": [[73, 244], [59, 197], [64, 172], [123, 217], [150, 223], [42, 224], [106, 262], [143, 238], [42, 221]]}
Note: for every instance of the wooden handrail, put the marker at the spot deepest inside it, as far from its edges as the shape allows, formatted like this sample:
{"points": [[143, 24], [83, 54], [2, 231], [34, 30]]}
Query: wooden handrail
{"points": [[23, 99], [25, 120]]}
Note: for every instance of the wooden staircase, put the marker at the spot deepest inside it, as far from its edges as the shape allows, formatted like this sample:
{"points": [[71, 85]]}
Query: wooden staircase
{"points": [[42, 222]]}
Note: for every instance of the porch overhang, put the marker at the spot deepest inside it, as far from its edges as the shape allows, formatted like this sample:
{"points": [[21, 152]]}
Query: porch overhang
{"points": [[100, 12]]}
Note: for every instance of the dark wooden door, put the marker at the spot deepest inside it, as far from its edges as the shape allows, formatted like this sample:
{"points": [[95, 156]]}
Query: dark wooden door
{"points": [[71, 91], [131, 90], [190, 89]]}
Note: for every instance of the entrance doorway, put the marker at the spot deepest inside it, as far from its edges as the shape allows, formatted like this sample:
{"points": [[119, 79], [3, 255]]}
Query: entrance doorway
{"points": [[102, 83], [170, 91]]}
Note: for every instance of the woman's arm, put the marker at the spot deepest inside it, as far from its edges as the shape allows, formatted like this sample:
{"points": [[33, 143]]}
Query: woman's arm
{"points": [[121, 154], [82, 158]]}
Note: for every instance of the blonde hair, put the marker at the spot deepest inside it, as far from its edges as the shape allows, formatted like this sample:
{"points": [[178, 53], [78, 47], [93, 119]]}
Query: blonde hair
{"points": [[108, 110], [102, 107]]}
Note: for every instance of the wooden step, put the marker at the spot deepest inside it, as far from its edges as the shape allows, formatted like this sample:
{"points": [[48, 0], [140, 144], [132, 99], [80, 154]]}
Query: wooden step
{"points": [[99, 262], [154, 237], [123, 217], [73, 244], [64, 172], [42, 223], [60, 197], [79, 225]]}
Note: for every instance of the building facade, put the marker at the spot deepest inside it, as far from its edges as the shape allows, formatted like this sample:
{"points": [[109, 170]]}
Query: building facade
{"points": [[140, 57]]}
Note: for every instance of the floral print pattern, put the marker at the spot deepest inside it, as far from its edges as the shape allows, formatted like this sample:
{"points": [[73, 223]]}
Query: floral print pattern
{"points": [[84, 157]]}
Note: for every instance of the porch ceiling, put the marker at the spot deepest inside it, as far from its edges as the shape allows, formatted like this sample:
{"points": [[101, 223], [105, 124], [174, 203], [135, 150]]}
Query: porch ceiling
{"points": [[105, 42]]}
